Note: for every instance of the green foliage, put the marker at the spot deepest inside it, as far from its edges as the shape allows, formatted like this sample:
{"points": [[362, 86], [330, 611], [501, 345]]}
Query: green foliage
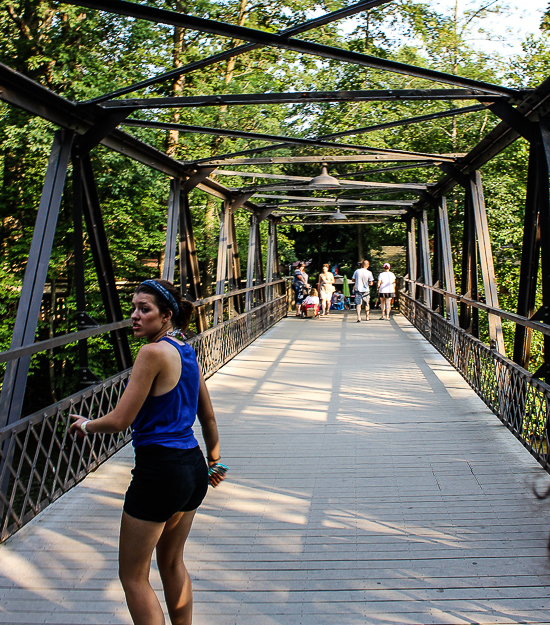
{"points": [[81, 53]]}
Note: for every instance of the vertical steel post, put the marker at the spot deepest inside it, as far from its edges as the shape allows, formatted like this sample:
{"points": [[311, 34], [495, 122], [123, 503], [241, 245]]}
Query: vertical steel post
{"points": [[261, 295], [238, 300], [103, 264], [270, 260], [36, 272], [221, 270], [469, 317], [438, 270], [171, 235], [486, 258], [447, 254], [251, 261], [411, 256], [426, 266], [188, 252], [530, 253]]}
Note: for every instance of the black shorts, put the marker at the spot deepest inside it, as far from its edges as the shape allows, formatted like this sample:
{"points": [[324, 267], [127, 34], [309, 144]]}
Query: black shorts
{"points": [[166, 480]]}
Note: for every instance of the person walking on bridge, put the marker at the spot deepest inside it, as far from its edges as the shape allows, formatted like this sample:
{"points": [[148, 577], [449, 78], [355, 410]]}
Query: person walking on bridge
{"points": [[386, 290], [165, 393], [326, 289], [363, 281]]}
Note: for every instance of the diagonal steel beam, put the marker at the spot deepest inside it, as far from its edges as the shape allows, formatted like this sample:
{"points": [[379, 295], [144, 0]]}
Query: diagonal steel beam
{"points": [[221, 132], [233, 52], [366, 129], [242, 99], [162, 16]]}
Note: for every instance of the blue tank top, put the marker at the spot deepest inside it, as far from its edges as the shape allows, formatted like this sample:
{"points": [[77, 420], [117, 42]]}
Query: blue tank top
{"points": [[167, 419]]}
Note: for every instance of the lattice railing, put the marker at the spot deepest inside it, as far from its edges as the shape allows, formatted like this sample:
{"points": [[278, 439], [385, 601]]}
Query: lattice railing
{"points": [[520, 401], [39, 460]]}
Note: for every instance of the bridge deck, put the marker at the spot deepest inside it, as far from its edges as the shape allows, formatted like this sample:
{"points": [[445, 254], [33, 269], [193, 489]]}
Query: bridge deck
{"points": [[368, 484]]}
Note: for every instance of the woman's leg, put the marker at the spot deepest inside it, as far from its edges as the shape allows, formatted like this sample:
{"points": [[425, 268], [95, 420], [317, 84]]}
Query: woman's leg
{"points": [[175, 578], [137, 541]]}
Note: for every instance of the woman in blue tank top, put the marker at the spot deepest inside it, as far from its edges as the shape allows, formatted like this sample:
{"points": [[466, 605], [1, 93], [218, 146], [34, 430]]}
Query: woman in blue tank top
{"points": [[165, 393]]}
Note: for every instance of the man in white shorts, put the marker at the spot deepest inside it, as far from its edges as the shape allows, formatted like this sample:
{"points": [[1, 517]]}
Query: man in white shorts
{"points": [[363, 281]]}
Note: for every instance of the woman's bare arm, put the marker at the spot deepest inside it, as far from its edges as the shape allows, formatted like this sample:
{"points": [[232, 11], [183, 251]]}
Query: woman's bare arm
{"points": [[207, 419]]}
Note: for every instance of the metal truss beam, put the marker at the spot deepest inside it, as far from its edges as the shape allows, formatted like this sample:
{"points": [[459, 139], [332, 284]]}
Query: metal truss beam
{"points": [[366, 129], [337, 222], [161, 16], [342, 187], [358, 158], [234, 52], [28, 310], [383, 170], [304, 97], [393, 213], [221, 132], [334, 200]]}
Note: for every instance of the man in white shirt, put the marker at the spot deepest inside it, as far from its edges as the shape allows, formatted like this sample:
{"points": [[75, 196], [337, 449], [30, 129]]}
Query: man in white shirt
{"points": [[363, 281]]}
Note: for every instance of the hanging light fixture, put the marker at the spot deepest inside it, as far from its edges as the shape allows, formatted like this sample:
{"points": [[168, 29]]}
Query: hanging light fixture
{"points": [[338, 215], [324, 181]]}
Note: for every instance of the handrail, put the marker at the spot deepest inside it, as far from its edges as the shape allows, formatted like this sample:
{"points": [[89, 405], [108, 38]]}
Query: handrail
{"points": [[539, 326], [73, 337]]}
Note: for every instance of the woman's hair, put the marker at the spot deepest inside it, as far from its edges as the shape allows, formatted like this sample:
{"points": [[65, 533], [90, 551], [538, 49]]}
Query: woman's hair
{"points": [[326, 265], [185, 308], [386, 265], [301, 265], [313, 293]]}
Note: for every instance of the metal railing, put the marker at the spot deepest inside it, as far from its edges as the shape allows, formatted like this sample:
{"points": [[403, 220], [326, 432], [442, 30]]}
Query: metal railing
{"points": [[39, 460], [517, 398]]}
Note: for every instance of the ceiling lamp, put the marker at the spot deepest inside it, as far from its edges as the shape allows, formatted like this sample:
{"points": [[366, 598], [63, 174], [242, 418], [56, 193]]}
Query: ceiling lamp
{"points": [[338, 214], [324, 181]]}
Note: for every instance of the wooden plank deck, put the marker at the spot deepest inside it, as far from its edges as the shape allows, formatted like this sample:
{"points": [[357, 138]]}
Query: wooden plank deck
{"points": [[368, 484]]}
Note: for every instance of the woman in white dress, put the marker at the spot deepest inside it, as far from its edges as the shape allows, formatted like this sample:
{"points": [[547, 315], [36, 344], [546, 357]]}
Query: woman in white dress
{"points": [[386, 290], [326, 289]]}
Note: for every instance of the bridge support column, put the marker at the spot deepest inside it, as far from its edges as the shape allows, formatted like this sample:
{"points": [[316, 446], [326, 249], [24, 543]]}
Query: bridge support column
{"points": [[536, 230], [28, 310], [253, 243], [486, 258], [270, 268], [425, 257], [447, 259], [103, 264], [189, 263], [171, 236], [411, 256], [438, 302], [469, 316], [221, 271]]}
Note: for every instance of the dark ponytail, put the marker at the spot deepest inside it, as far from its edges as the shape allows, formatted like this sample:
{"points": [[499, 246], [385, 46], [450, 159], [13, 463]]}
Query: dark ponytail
{"points": [[185, 307]]}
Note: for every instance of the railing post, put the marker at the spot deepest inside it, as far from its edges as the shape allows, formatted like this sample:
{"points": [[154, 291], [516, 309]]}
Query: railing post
{"points": [[438, 301], [486, 258], [36, 272], [447, 258]]}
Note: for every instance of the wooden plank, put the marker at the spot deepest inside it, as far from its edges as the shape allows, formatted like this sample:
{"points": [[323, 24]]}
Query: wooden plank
{"points": [[367, 484]]}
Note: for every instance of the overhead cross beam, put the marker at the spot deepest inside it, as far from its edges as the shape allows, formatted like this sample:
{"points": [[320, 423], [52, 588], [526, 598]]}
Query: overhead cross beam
{"points": [[303, 97], [264, 38], [356, 131], [392, 155], [222, 132], [248, 47]]}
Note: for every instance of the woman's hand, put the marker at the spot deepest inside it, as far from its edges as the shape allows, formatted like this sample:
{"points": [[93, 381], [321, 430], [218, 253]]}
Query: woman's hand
{"points": [[76, 427], [216, 473]]}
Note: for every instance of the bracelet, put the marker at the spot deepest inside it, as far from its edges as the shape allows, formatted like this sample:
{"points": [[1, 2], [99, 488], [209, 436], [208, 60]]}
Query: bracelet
{"points": [[83, 426], [212, 460]]}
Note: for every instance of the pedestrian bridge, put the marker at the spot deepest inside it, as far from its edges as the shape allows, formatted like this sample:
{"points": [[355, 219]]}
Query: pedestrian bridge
{"points": [[368, 484]]}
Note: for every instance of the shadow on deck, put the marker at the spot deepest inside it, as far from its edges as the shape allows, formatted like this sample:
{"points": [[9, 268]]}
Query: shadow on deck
{"points": [[368, 484]]}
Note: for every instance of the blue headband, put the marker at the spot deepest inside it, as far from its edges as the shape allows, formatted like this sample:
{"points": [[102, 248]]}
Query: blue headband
{"points": [[165, 293]]}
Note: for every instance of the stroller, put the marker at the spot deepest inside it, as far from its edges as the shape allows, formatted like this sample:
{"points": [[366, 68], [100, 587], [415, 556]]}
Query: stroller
{"points": [[310, 305]]}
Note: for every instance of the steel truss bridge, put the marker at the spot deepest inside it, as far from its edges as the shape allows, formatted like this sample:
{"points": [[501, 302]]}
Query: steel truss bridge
{"points": [[38, 461]]}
